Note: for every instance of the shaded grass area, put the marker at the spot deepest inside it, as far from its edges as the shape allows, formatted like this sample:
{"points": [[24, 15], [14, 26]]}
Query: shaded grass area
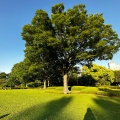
{"points": [[50, 110], [36, 104], [108, 109], [3, 116]]}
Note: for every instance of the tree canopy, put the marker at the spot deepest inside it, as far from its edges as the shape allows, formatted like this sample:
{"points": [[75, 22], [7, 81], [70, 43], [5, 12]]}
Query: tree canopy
{"points": [[117, 76], [98, 75], [19, 74], [68, 38], [3, 78]]}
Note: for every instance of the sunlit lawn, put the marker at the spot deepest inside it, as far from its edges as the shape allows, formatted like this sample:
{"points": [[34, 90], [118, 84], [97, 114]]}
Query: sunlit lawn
{"points": [[36, 104]]}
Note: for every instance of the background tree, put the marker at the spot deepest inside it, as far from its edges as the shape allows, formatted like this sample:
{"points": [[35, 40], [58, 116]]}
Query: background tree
{"points": [[19, 74], [117, 76], [98, 75], [73, 76], [68, 38], [3, 78]]}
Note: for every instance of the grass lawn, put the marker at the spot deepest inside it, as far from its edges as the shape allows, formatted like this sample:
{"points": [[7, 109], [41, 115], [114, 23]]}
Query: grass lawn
{"points": [[36, 104]]}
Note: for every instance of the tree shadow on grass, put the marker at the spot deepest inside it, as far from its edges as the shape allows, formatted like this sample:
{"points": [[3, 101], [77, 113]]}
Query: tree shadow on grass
{"points": [[89, 115], [108, 108], [3, 116], [110, 92], [48, 111]]}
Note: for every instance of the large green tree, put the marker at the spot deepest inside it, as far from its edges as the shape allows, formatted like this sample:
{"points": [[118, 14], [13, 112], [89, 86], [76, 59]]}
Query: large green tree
{"points": [[68, 38]]}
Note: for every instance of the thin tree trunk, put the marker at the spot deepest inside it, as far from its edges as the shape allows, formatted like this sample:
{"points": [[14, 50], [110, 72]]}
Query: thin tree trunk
{"points": [[65, 84], [48, 83], [44, 84]]}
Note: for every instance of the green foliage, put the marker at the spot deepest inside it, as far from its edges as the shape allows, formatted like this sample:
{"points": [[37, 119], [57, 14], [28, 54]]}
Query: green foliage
{"points": [[31, 84], [3, 79], [67, 38], [73, 77], [99, 74], [22, 74], [58, 8], [19, 74], [2, 82], [117, 76], [86, 80], [34, 84], [3, 75]]}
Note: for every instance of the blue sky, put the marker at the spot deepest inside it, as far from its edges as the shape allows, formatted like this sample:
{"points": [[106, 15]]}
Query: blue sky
{"points": [[14, 14]]}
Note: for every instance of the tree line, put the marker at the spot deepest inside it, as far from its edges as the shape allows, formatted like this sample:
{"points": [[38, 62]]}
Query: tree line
{"points": [[94, 76], [55, 44]]}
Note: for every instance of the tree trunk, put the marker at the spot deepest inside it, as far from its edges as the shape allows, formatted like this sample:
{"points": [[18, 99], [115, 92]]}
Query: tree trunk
{"points": [[48, 83], [65, 84], [44, 84]]}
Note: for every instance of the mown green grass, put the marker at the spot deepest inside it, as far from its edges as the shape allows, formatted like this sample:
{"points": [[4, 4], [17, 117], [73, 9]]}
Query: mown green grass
{"points": [[51, 104]]}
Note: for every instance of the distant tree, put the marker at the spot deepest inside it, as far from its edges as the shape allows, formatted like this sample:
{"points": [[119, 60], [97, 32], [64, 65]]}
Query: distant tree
{"points": [[3, 75], [68, 38], [19, 74], [3, 78], [117, 76], [98, 74]]}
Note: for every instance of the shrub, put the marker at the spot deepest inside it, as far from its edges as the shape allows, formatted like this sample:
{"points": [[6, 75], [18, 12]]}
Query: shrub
{"points": [[31, 84]]}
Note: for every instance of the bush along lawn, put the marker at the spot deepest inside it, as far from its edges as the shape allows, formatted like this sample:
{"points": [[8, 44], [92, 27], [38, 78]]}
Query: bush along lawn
{"points": [[36, 104]]}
